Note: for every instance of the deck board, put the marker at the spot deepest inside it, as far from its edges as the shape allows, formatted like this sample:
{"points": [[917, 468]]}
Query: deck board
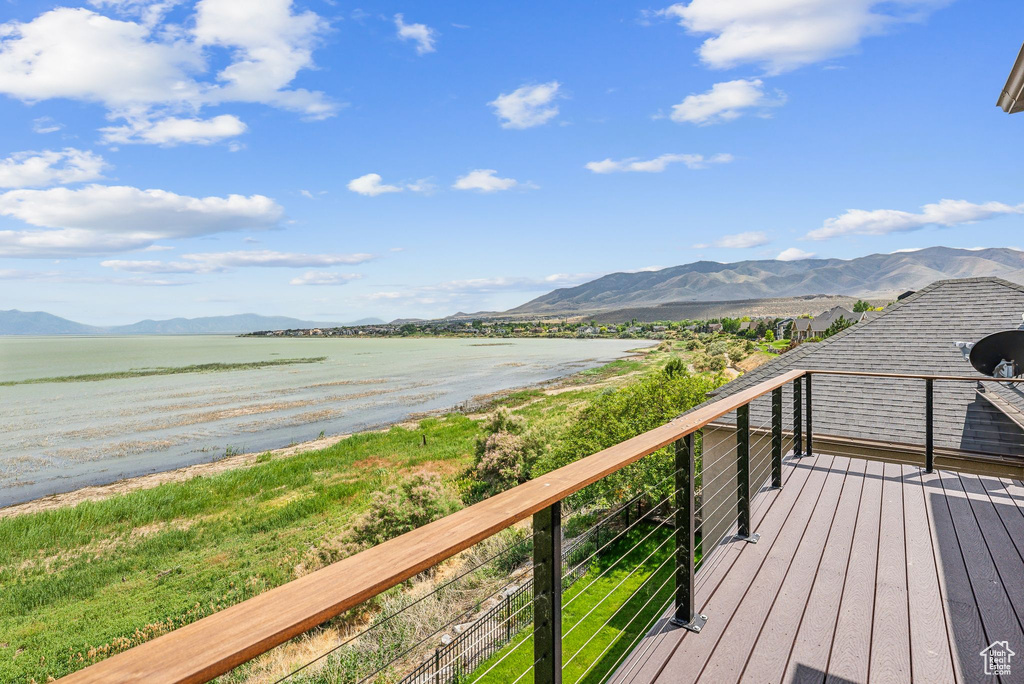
{"points": [[864, 573], [770, 651], [648, 664], [931, 657], [810, 649], [726, 600], [890, 631], [851, 645]]}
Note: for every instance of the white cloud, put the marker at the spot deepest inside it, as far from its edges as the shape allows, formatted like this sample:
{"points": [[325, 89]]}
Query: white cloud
{"points": [[148, 70], [46, 124], [324, 278], [794, 254], [42, 169], [215, 262], [785, 34], [527, 106], [100, 219], [74, 278], [724, 102], [172, 131], [484, 180], [421, 34], [371, 185], [945, 212], [658, 164], [753, 238]]}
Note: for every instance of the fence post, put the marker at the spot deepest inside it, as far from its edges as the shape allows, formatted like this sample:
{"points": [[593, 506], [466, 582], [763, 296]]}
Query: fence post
{"points": [[929, 423], [547, 595], [743, 474], [685, 617], [777, 437], [810, 429], [798, 417]]}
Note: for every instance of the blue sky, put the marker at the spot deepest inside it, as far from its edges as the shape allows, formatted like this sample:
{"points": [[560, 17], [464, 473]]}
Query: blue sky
{"points": [[163, 158]]}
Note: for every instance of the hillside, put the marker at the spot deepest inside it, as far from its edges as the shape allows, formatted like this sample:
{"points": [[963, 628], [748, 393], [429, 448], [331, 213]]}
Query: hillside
{"points": [[873, 276], [16, 322]]}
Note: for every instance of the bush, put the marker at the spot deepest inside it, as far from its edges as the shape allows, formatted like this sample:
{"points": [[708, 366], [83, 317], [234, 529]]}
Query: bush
{"points": [[401, 508], [718, 348], [616, 416], [694, 344], [504, 456], [675, 367]]}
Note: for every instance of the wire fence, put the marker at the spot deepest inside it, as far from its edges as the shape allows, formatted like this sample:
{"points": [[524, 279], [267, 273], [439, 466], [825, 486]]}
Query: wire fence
{"points": [[496, 628]]}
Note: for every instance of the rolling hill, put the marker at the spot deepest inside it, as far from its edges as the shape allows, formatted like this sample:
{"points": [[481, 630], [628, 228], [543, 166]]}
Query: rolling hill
{"points": [[873, 276], [14, 322]]}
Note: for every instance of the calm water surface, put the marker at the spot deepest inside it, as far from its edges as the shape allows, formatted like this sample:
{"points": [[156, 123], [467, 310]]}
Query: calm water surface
{"points": [[57, 437]]}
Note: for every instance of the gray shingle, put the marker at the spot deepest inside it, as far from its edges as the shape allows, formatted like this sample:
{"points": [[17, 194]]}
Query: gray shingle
{"points": [[914, 336]]}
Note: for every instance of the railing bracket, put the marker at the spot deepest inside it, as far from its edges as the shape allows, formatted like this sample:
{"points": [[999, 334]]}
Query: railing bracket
{"points": [[750, 539], [694, 625]]}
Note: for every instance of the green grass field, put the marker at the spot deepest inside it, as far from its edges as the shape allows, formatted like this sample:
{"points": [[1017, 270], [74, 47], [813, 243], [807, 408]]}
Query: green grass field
{"points": [[605, 612], [84, 582]]}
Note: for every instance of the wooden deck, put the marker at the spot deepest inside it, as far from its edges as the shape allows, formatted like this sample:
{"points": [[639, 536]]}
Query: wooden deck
{"points": [[865, 572]]}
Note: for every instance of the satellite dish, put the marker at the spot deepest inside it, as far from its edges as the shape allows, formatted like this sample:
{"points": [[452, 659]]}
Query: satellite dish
{"points": [[1000, 354]]}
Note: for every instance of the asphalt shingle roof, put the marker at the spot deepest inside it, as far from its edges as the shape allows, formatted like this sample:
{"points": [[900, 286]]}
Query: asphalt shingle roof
{"points": [[916, 336]]}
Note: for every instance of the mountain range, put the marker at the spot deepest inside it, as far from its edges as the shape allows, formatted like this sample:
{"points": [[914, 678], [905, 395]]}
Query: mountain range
{"points": [[877, 276], [665, 293], [14, 322]]}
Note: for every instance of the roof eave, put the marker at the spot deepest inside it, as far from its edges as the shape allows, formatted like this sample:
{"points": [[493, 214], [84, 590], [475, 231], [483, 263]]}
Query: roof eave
{"points": [[1010, 100]]}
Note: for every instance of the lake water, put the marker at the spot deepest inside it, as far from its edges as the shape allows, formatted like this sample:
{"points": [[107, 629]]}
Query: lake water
{"points": [[56, 437]]}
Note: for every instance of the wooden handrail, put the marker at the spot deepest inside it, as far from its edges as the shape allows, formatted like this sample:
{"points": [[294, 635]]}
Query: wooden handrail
{"points": [[215, 644], [912, 376]]}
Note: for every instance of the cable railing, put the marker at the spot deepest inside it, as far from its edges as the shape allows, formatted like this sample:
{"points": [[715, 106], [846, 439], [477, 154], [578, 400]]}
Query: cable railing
{"points": [[600, 595]]}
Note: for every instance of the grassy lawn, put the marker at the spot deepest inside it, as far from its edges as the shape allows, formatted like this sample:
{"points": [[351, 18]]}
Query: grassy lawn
{"points": [[607, 611], [85, 582]]}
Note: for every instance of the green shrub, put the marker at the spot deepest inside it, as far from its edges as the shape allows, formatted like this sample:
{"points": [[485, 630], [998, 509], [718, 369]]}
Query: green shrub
{"points": [[401, 508], [675, 367], [616, 416], [505, 454]]}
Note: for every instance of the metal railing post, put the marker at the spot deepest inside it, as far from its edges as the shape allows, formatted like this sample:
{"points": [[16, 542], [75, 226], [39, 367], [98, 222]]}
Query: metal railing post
{"points": [[929, 425], [777, 437], [798, 417], [686, 616], [547, 595], [810, 428], [743, 473]]}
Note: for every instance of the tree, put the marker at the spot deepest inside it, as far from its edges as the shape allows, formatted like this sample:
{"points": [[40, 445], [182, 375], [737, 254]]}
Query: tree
{"points": [[614, 417], [861, 306], [838, 325], [769, 336], [788, 332]]}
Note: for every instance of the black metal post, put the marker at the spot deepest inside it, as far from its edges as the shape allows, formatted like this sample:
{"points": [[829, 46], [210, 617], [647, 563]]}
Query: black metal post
{"points": [[777, 437], [929, 426], [686, 616], [810, 429], [743, 473], [798, 417], [547, 595]]}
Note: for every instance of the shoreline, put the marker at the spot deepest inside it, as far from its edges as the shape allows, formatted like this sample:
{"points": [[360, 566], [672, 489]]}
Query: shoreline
{"points": [[470, 408]]}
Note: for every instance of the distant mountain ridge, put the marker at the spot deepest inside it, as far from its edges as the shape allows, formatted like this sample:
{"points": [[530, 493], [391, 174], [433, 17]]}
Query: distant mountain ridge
{"points": [[876, 275], [14, 322]]}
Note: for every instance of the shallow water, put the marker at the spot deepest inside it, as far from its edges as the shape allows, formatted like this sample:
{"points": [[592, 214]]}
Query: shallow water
{"points": [[56, 437]]}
